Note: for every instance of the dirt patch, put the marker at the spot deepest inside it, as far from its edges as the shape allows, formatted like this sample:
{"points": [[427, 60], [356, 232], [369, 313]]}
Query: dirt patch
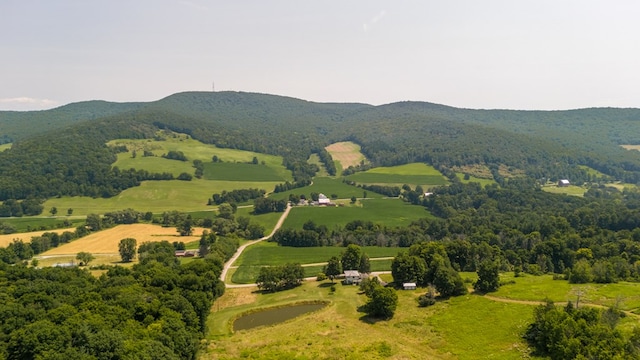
{"points": [[235, 297], [5, 240], [106, 241], [347, 153]]}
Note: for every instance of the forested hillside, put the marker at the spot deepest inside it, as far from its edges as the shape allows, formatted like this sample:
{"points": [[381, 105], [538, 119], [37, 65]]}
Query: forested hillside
{"points": [[63, 151]]}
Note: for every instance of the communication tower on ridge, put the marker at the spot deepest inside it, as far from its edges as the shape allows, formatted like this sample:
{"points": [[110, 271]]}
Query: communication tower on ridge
{"points": [[213, 86]]}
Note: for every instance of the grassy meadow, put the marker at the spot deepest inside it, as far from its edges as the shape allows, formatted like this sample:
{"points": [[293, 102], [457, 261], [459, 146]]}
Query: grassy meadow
{"points": [[468, 327], [387, 212], [192, 149], [243, 172], [572, 190], [4, 147], [31, 223], [412, 174], [157, 196]]}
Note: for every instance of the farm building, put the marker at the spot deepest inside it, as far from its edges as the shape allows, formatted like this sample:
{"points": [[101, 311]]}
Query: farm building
{"points": [[352, 277], [563, 182], [409, 286], [323, 200]]}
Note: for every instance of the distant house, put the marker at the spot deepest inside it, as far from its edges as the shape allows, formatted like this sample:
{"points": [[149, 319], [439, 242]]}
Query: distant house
{"points": [[563, 182], [352, 277], [323, 200], [427, 194], [409, 286]]}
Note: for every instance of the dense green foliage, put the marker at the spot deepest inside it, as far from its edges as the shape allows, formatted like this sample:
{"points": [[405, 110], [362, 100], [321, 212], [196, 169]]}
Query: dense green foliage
{"points": [[155, 310], [551, 145], [277, 278], [382, 302], [581, 333], [236, 196]]}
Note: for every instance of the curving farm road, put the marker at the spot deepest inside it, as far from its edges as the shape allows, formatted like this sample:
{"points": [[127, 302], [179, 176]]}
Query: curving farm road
{"points": [[227, 265]]}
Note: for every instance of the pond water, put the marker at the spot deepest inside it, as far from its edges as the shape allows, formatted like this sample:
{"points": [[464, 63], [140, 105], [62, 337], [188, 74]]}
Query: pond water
{"points": [[273, 316]]}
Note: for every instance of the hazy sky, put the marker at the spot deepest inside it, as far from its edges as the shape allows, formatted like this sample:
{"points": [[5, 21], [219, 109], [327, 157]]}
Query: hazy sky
{"points": [[515, 54]]}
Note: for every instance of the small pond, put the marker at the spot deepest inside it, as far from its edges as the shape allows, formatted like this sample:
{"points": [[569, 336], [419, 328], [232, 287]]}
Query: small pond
{"points": [[273, 316]]}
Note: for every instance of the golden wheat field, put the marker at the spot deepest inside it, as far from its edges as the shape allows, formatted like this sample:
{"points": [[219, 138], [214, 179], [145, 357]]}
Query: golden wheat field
{"points": [[5, 240], [106, 241]]}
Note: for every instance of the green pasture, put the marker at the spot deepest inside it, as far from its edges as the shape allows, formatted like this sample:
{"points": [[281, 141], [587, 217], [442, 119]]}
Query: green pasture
{"points": [[270, 254], [468, 327], [538, 288], [387, 212], [474, 327], [243, 172], [328, 186], [31, 223], [192, 149], [249, 274], [154, 164], [413, 174], [195, 150], [4, 147], [156, 196]]}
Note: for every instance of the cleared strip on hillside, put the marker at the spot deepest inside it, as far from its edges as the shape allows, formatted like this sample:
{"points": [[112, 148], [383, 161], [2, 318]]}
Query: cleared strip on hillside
{"points": [[106, 241], [413, 174], [347, 153]]}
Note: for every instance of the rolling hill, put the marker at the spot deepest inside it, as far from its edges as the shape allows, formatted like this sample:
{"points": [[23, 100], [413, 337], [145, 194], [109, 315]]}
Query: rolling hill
{"points": [[63, 151]]}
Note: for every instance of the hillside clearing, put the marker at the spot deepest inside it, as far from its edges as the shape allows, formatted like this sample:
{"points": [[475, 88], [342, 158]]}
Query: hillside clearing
{"points": [[157, 196], [106, 241], [347, 153], [412, 174]]}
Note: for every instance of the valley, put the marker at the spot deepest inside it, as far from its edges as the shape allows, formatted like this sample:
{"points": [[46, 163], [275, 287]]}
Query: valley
{"points": [[440, 197]]}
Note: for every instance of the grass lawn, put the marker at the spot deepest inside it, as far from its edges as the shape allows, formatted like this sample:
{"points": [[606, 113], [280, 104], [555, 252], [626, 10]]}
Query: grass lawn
{"points": [[328, 186], [387, 212], [468, 327], [156, 196], [412, 174]]}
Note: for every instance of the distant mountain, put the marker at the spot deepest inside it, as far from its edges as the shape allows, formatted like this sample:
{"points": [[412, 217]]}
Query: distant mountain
{"points": [[540, 144]]}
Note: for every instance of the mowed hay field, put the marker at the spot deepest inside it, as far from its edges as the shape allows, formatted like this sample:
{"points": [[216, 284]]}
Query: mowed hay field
{"points": [[106, 241], [412, 174], [5, 240], [346, 153]]}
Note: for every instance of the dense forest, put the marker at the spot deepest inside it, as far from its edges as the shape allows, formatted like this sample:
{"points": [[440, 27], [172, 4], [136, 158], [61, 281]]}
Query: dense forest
{"points": [[67, 155], [155, 310]]}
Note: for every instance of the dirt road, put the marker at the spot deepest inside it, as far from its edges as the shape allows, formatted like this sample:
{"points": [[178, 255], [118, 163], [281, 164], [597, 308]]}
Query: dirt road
{"points": [[235, 256]]}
